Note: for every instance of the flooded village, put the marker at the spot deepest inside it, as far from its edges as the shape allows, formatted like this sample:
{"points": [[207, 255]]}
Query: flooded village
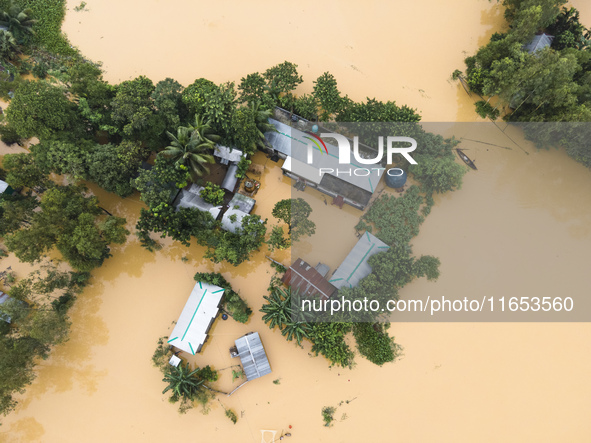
{"points": [[518, 225]]}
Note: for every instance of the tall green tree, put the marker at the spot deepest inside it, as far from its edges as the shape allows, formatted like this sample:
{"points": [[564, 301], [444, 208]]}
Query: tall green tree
{"points": [[295, 213], [188, 149], [18, 20], [328, 95], [40, 109], [8, 47]]}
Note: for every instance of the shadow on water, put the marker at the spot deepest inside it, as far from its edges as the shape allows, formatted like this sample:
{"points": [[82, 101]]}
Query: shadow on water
{"points": [[24, 430], [65, 367]]}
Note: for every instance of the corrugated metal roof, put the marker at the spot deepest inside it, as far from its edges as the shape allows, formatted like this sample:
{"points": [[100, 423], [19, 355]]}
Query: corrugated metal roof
{"points": [[306, 280], [230, 154], [191, 198], [201, 308], [355, 266], [244, 203], [252, 356], [292, 142], [233, 226], [3, 186], [4, 298], [230, 179], [538, 43]]}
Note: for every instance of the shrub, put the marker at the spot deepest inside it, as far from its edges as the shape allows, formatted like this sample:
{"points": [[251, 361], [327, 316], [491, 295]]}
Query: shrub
{"points": [[236, 306], [212, 194], [374, 343], [328, 415]]}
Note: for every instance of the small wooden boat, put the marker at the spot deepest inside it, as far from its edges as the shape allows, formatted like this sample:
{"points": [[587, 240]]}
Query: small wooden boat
{"points": [[466, 159]]}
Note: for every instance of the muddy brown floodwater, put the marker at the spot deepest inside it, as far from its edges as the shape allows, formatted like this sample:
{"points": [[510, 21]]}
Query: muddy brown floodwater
{"points": [[506, 230]]}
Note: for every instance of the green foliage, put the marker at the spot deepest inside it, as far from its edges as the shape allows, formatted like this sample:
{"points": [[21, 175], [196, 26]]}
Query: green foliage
{"points": [[284, 77], [485, 109], [329, 340], [72, 223], [162, 355], [277, 240], [194, 95], [396, 218], [568, 31], [49, 15], [192, 146], [114, 167], [233, 303], [231, 415], [9, 136], [374, 343], [133, 112], [306, 106], [328, 95], [23, 171], [551, 84], [328, 415], [375, 111], [159, 185], [168, 101], [252, 90], [237, 247], [38, 311], [213, 194], [243, 166], [237, 374], [277, 381], [295, 213], [8, 47], [40, 109]]}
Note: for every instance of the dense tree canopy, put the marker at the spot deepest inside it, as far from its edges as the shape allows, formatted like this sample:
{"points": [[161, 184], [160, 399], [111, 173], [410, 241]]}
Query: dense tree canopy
{"points": [[39, 109], [548, 85]]}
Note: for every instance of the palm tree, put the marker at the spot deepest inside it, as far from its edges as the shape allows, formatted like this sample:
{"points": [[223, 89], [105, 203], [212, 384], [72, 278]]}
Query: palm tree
{"points": [[8, 45], [182, 381], [261, 119], [203, 131], [278, 309], [298, 330], [18, 21], [187, 148]]}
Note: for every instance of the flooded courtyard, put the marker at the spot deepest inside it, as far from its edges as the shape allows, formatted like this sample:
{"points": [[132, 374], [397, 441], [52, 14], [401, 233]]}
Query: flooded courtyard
{"points": [[521, 224]]}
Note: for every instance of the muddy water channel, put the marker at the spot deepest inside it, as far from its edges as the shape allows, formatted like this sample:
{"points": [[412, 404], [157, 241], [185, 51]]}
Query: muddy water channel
{"points": [[509, 229]]}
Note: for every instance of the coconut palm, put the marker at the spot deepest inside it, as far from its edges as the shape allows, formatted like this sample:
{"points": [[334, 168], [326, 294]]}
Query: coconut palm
{"points": [[8, 45], [297, 329], [203, 132], [182, 381], [261, 119], [18, 21], [188, 148], [278, 309]]}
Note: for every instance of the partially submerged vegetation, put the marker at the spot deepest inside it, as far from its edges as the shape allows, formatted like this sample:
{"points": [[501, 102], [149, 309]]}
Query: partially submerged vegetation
{"points": [[537, 84], [90, 130], [233, 304], [34, 319]]}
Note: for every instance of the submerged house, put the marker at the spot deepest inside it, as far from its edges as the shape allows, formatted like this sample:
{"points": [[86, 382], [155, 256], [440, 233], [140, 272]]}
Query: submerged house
{"points": [[355, 266], [3, 299], [252, 356], [196, 319], [5, 188], [191, 198], [239, 207], [325, 173], [308, 281], [538, 43], [230, 157]]}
